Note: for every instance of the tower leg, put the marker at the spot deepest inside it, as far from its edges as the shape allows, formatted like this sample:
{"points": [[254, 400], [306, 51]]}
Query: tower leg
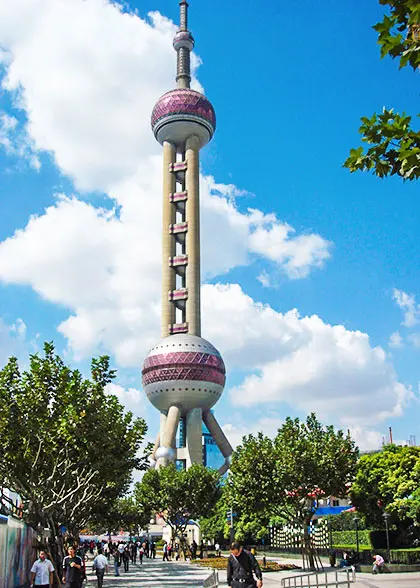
{"points": [[192, 180], [168, 242], [220, 438], [165, 453], [156, 445], [194, 437]]}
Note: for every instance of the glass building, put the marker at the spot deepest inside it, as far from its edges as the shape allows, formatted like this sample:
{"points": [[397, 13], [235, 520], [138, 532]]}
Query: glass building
{"points": [[212, 456]]}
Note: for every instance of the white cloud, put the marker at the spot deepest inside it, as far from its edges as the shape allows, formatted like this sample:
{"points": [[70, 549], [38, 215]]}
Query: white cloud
{"points": [[132, 399], [301, 361], [396, 341], [414, 339], [16, 142], [12, 340], [409, 306]]}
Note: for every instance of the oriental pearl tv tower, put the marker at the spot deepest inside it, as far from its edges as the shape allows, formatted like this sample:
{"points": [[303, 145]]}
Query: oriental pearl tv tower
{"points": [[183, 375]]}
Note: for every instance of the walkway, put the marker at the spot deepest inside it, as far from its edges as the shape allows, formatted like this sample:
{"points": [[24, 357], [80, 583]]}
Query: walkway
{"points": [[159, 574], [154, 573]]}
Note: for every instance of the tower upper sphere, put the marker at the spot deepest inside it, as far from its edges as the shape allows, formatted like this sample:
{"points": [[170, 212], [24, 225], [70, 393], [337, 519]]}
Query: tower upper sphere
{"points": [[183, 112]]}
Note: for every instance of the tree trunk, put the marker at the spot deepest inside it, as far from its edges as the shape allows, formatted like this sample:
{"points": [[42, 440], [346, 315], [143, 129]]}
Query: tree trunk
{"points": [[307, 545]]}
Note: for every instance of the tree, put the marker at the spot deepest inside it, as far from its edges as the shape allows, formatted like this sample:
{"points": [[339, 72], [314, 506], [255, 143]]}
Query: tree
{"points": [[394, 145], [389, 481], [124, 514], [284, 477], [66, 446], [179, 495]]}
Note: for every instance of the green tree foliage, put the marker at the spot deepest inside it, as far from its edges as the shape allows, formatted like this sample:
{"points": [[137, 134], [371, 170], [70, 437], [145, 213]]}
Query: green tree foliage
{"points": [[214, 525], [283, 477], [179, 495], [393, 144], [124, 514], [389, 481], [66, 446]]}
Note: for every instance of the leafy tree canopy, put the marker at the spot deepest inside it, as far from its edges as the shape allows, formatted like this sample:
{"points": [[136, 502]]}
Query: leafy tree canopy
{"points": [[66, 446], [179, 495], [389, 481], [283, 477], [124, 514], [393, 144]]}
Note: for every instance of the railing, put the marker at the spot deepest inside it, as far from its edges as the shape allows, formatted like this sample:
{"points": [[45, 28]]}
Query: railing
{"points": [[321, 580], [212, 581]]}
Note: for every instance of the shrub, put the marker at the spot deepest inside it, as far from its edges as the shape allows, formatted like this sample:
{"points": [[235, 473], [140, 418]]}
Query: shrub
{"points": [[349, 537]]}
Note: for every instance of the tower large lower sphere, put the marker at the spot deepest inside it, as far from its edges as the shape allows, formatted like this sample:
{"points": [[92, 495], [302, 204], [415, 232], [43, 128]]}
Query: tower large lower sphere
{"points": [[183, 375]]}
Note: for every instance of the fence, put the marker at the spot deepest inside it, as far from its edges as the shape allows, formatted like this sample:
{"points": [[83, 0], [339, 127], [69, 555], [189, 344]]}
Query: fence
{"points": [[323, 580], [16, 553], [212, 581]]}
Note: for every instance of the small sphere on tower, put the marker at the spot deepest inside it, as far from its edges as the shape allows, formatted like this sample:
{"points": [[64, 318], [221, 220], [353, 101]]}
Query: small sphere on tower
{"points": [[183, 40], [185, 371]]}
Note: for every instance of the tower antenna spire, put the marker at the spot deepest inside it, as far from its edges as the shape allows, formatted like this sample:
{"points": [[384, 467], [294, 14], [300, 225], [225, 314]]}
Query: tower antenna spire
{"points": [[183, 45]]}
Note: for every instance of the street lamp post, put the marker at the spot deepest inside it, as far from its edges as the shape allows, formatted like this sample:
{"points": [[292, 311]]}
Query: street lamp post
{"points": [[387, 516], [356, 524]]}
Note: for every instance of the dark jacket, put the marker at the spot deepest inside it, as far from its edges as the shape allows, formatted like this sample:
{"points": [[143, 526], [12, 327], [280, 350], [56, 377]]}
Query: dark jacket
{"points": [[241, 567]]}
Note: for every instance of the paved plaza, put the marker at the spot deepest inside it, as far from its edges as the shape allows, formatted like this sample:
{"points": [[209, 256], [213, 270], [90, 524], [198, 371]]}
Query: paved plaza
{"points": [[159, 574]]}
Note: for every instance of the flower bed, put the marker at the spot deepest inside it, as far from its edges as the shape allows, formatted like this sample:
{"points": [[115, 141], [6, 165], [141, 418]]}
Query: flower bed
{"points": [[219, 563]]}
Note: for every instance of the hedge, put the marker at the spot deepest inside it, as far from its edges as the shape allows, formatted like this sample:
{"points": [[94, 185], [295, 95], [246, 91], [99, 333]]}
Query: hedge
{"points": [[349, 537]]}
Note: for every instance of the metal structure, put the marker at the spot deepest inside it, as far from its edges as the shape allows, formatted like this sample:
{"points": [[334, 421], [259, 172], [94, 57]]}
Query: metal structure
{"points": [[211, 581], [183, 375], [323, 580]]}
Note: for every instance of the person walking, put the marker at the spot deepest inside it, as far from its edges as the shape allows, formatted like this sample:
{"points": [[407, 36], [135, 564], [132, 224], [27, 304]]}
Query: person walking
{"points": [[126, 558], [100, 567], [241, 568], [165, 553], [121, 551], [42, 572], [72, 569], [141, 553], [116, 558], [153, 549]]}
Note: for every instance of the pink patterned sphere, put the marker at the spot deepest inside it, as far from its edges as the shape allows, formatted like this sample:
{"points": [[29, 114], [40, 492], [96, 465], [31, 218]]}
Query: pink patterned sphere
{"points": [[181, 113], [183, 370]]}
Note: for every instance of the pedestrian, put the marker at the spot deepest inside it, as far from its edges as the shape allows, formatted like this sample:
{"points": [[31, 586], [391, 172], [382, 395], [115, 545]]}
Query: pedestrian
{"points": [[141, 553], [378, 564], [126, 558], [42, 572], [165, 552], [153, 549], [241, 568], [116, 558], [72, 569], [100, 566], [194, 548]]}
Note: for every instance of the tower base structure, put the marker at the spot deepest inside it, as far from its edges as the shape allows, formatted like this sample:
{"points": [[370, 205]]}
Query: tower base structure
{"points": [[183, 377]]}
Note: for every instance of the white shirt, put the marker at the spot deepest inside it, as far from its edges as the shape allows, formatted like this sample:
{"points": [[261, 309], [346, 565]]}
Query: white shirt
{"points": [[100, 562], [42, 571], [121, 547]]}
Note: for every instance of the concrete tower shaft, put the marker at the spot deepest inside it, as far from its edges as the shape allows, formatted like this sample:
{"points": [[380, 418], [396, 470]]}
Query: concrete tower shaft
{"points": [[184, 375]]}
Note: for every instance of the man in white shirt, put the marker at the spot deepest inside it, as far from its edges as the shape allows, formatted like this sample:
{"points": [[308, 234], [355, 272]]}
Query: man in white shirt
{"points": [[100, 566], [42, 572]]}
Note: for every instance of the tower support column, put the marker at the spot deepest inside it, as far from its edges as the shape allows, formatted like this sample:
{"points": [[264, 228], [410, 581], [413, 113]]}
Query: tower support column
{"points": [[194, 437], [192, 179], [168, 241], [168, 437]]}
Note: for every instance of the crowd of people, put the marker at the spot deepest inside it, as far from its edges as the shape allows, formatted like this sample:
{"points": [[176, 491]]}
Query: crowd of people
{"points": [[106, 554]]}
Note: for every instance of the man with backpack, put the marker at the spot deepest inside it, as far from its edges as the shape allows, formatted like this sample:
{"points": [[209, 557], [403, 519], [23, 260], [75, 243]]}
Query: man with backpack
{"points": [[241, 568]]}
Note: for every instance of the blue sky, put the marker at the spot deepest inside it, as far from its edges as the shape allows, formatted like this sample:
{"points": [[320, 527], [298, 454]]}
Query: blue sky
{"points": [[289, 85]]}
